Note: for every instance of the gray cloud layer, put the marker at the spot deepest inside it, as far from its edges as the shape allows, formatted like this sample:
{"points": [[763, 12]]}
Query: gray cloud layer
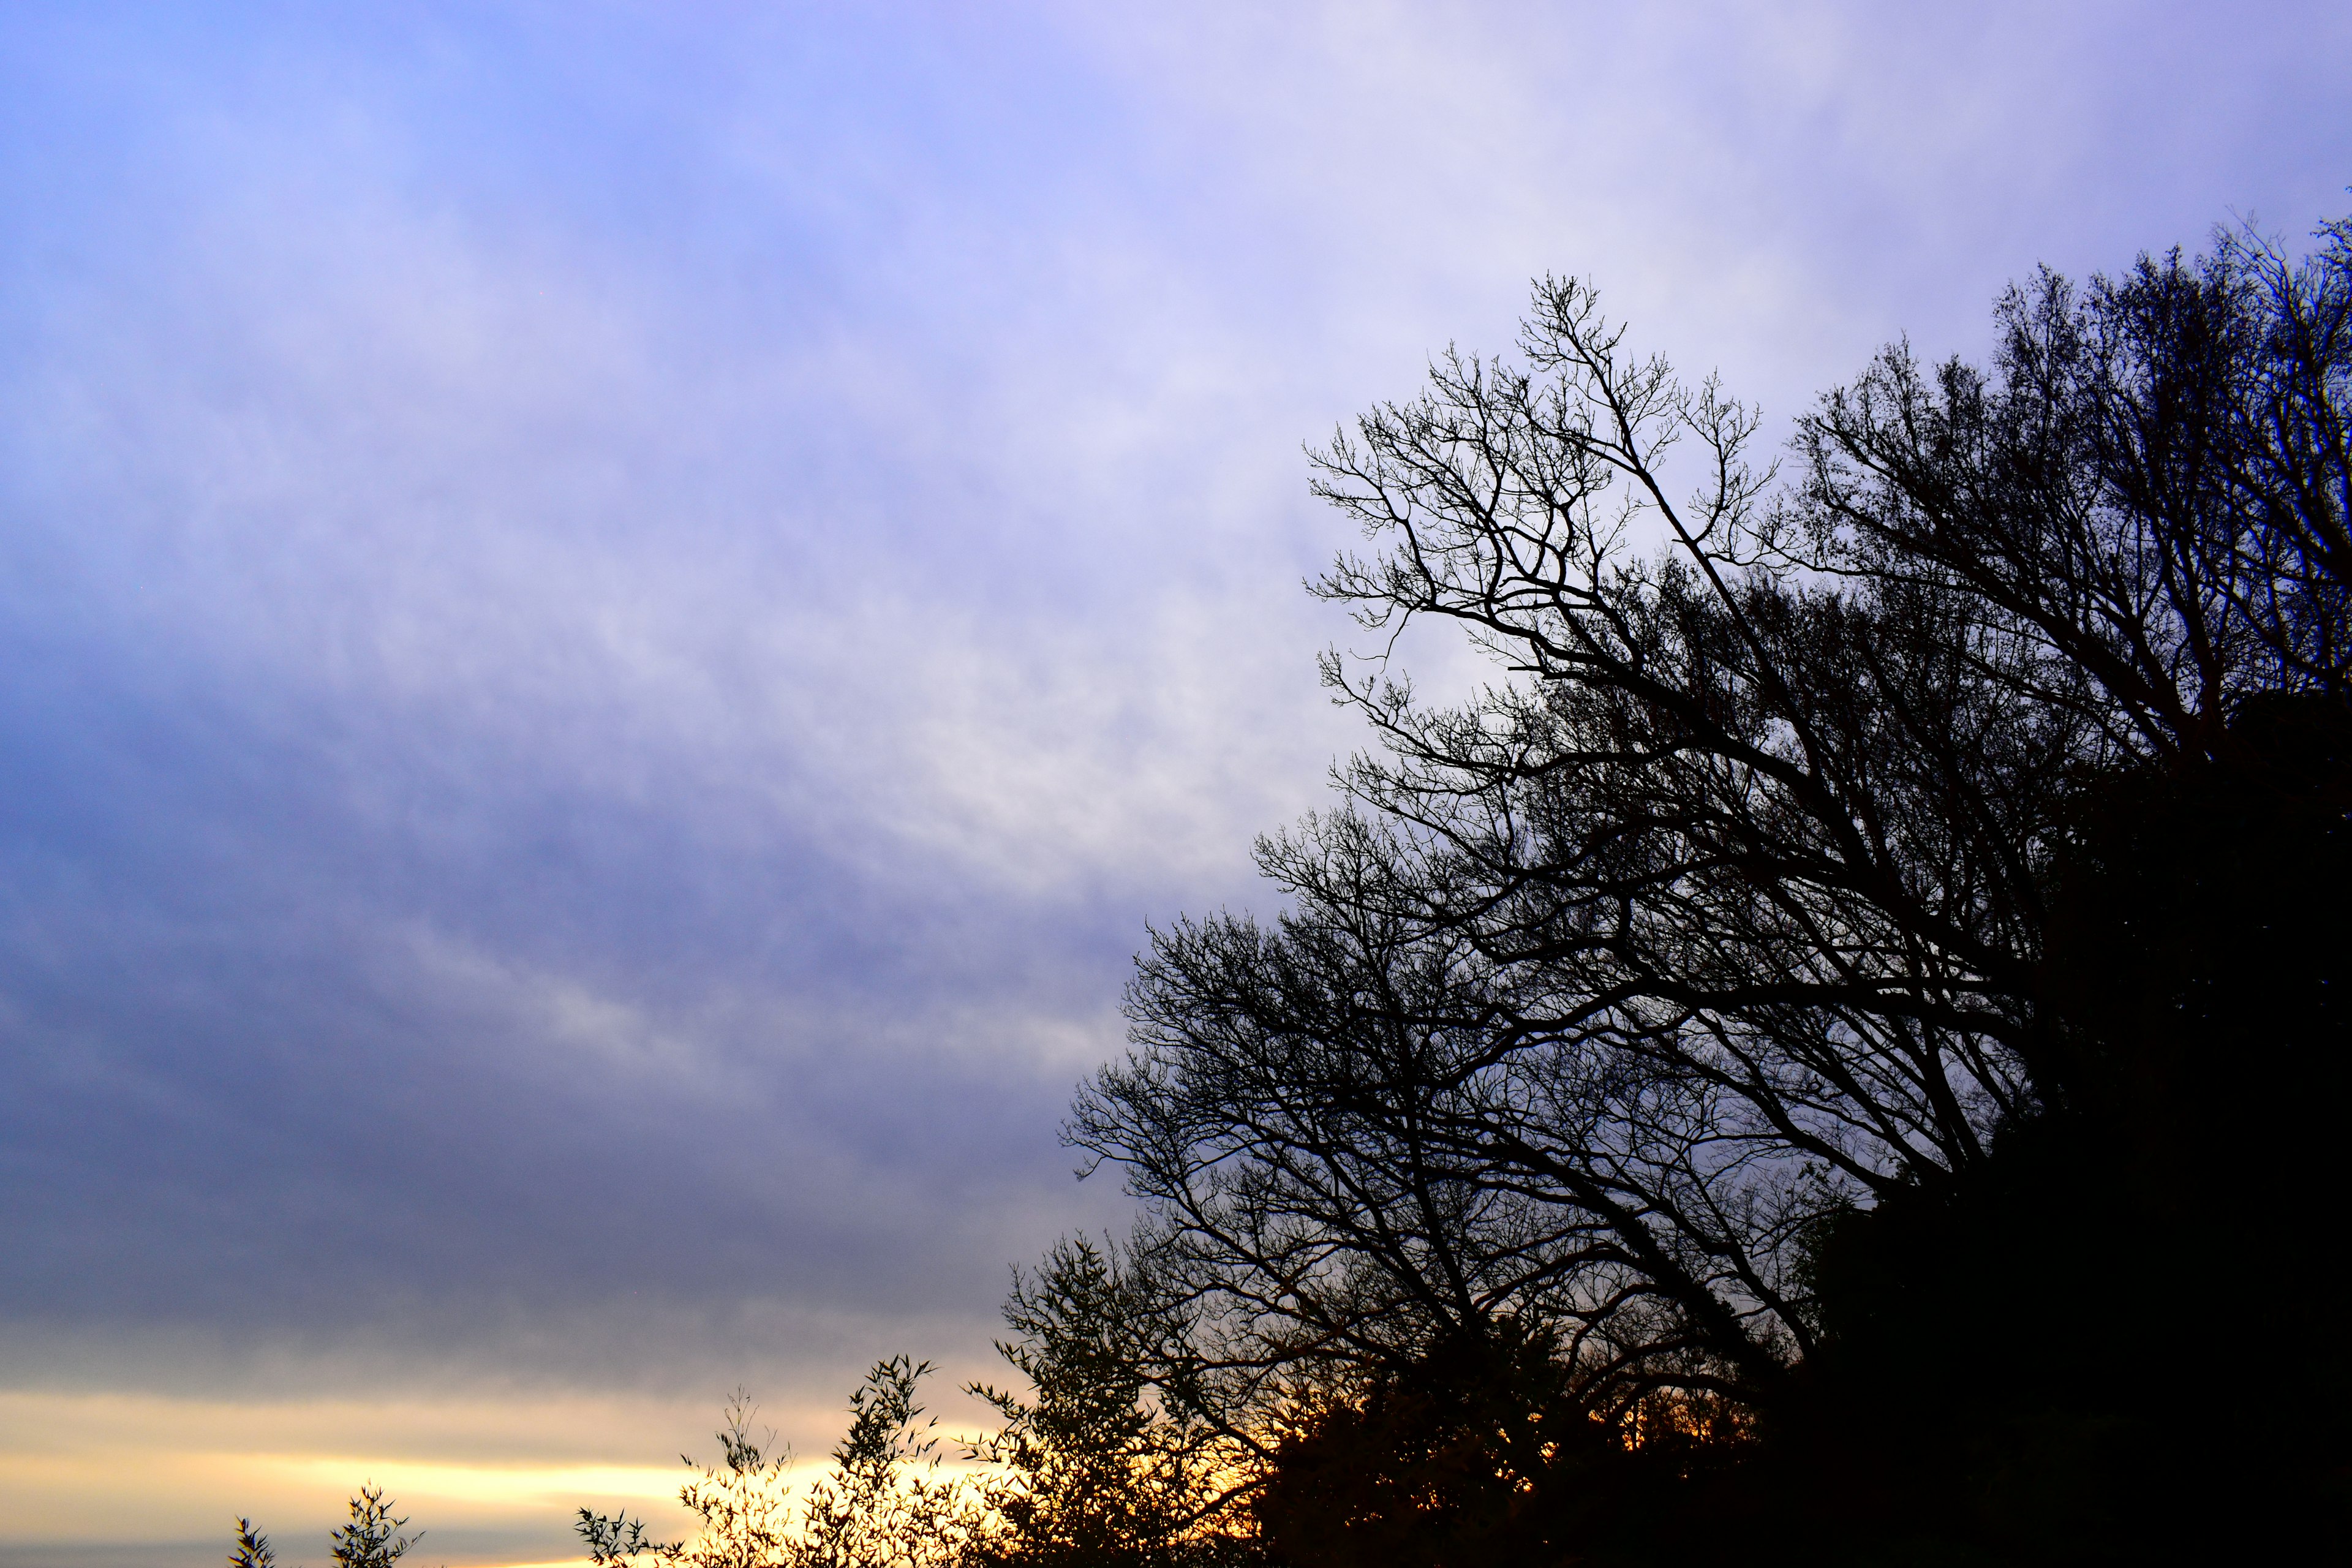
{"points": [[611, 623]]}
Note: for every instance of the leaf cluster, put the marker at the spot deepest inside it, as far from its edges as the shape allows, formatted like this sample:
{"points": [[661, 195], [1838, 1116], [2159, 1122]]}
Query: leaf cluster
{"points": [[371, 1538]]}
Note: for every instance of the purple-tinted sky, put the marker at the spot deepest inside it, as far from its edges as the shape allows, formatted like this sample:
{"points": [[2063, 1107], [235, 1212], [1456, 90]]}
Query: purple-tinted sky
{"points": [[613, 617]]}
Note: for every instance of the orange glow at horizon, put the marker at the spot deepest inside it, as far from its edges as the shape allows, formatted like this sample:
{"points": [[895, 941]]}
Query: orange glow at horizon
{"points": [[150, 1473]]}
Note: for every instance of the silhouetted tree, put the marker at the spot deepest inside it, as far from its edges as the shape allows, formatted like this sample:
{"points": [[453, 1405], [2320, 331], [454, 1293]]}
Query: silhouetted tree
{"points": [[2132, 1323], [616, 1540], [1462, 1456], [885, 1505], [1106, 1464], [371, 1538], [1834, 939], [882, 1504], [252, 1549], [742, 1506]]}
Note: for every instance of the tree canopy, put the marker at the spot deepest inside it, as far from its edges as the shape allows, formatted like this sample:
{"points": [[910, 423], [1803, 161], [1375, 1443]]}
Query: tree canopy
{"points": [[1884, 903]]}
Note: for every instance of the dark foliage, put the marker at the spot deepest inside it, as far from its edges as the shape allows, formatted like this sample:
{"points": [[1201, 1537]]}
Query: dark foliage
{"points": [[1480, 1452], [372, 1539], [252, 1549], [1844, 1041], [1102, 1469], [882, 1504]]}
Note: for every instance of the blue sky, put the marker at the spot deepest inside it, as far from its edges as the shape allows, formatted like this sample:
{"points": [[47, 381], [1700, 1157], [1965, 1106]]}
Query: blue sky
{"points": [[613, 617]]}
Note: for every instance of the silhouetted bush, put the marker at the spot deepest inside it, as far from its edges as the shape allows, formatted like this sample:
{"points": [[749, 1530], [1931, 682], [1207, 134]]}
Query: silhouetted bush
{"points": [[371, 1539], [882, 1504]]}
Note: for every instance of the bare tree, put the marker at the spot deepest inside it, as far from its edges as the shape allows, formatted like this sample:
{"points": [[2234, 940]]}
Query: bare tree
{"points": [[1719, 913]]}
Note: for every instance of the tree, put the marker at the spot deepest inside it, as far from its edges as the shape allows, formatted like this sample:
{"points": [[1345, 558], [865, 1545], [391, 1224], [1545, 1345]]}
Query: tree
{"points": [[1476, 1452], [1108, 1465], [1760, 898], [885, 1505], [371, 1538], [252, 1549], [742, 1505], [882, 1505]]}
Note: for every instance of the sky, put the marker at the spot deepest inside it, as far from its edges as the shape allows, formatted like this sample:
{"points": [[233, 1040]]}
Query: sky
{"points": [[614, 619]]}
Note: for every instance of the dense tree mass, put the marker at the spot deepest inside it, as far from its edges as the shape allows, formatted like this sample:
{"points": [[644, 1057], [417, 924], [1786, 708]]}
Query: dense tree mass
{"points": [[1858, 991]]}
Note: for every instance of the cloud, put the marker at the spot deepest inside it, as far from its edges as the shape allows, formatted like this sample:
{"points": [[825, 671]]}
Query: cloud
{"points": [[611, 622]]}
